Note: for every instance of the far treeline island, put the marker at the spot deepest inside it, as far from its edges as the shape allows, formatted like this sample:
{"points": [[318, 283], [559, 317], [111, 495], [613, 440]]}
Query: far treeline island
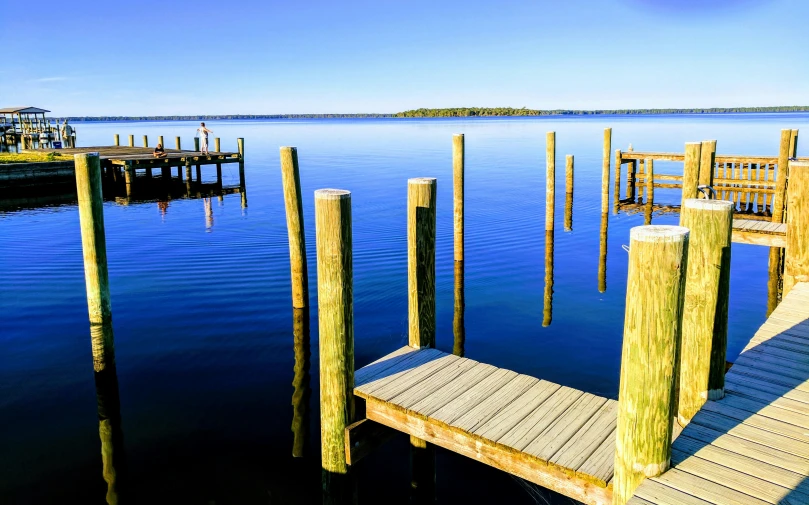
{"points": [[456, 112]]}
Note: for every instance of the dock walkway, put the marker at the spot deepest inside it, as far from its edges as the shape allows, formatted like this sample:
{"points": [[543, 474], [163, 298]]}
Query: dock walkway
{"points": [[752, 231], [142, 157]]}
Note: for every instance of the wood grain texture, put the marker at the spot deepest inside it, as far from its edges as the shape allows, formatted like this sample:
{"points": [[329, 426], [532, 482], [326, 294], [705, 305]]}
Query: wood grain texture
{"points": [[796, 260], [602, 253], [705, 311], [336, 325], [132, 142], [650, 192], [616, 194], [116, 139], [293, 203], [547, 299], [693, 155], [605, 170], [458, 154], [568, 220], [459, 308], [707, 162], [647, 401], [421, 197], [550, 179]]}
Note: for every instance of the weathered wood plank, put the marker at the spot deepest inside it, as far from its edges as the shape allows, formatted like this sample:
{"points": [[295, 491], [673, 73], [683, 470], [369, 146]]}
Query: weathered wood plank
{"points": [[432, 383], [705, 489], [452, 390], [550, 440], [661, 494], [584, 443], [392, 364], [488, 407], [752, 433], [758, 420], [600, 466], [364, 437], [526, 430], [516, 411], [471, 397], [754, 388], [386, 388]]}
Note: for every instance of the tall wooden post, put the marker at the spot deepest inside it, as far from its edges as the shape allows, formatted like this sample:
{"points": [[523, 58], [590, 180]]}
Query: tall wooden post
{"points": [[96, 276], [458, 327], [293, 202], [458, 155], [646, 398], [781, 177], [116, 140], [616, 197], [336, 329], [196, 144], [691, 170], [145, 141], [421, 198], [300, 381], [242, 182], [650, 192], [705, 310], [131, 141], [796, 265], [568, 192], [550, 179], [631, 171], [707, 162], [793, 144], [177, 143], [605, 170], [216, 145]]}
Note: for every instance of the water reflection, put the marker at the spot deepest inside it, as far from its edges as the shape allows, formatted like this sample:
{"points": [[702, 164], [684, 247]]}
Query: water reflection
{"points": [[547, 313], [458, 327], [300, 381], [602, 254]]}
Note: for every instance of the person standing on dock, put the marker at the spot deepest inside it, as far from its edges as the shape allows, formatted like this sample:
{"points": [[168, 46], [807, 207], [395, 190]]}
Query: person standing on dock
{"points": [[67, 134], [203, 138]]}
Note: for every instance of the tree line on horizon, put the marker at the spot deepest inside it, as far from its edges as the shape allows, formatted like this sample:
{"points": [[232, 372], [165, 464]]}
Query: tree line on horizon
{"points": [[451, 112]]}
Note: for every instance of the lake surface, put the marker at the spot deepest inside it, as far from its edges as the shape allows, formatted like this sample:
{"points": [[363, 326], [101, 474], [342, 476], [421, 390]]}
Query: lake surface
{"points": [[202, 303]]}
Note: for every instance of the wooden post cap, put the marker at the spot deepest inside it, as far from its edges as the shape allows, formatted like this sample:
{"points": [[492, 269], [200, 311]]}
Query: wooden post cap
{"points": [[332, 194], [703, 204], [421, 180], [658, 233]]}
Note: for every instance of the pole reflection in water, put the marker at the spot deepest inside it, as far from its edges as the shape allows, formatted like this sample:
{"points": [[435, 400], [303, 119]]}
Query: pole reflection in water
{"points": [[206, 202], [650, 192], [458, 328], [569, 211], [547, 314], [602, 254], [300, 381], [774, 278]]}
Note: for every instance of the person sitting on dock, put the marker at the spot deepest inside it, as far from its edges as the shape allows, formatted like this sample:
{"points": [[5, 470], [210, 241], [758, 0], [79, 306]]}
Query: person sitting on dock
{"points": [[159, 152], [203, 138]]}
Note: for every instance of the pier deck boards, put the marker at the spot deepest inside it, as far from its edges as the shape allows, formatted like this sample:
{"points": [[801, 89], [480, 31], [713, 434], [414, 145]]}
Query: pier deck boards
{"points": [[751, 447], [142, 157], [552, 435], [750, 231]]}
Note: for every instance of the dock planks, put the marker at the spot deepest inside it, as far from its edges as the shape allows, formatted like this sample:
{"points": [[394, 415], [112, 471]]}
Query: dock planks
{"points": [[554, 436], [142, 157], [767, 233], [751, 447]]}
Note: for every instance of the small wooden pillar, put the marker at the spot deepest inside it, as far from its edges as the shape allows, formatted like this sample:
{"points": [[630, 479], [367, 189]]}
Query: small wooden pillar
{"points": [[705, 309], [96, 276], [631, 172], [188, 176], [616, 197], [796, 265], [605, 170], [421, 199], [602, 253], [650, 191], [293, 203], [242, 183], [781, 178], [131, 141], [145, 141], [216, 145], [707, 162], [129, 178], [550, 179], [116, 139], [568, 225], [458, 154], [177, 143], [300, 381], [458, 325], [646, 399], [336, 330], [691, 170], [793, 144], [160, 141], [196, 144]]}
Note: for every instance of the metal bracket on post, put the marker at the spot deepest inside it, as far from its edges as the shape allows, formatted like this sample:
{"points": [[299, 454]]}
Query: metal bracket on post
{"points": [[708, 192]]}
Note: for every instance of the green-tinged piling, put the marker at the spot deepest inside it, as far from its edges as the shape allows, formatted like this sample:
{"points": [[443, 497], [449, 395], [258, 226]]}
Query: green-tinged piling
{"points": [[796, 265], [605, 171], [458, 154], [293, 202], [693, 153], [550, 179]]}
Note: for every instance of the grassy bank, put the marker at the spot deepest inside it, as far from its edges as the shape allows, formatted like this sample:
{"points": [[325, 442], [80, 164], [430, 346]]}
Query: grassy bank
{"points": [[32, 157]]}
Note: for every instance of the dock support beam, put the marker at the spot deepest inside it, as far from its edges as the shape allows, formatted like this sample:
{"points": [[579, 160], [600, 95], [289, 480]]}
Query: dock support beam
{"points": [[646, 398], [693, 153], [649, 177], [421, 198], [145, 141], [781, 178], [458, 168], [117, 140], [196, 144], [336, 327], [131, 141], [796, 265], [705, 309], [297, 243], [707, 162], [177, 143]]}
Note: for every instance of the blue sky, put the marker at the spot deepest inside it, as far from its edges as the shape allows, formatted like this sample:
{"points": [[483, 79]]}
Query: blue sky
{"points": [[251, 57]]}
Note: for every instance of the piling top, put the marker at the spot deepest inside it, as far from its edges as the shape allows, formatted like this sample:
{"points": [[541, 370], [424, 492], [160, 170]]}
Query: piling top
{"points": [[694, 144], [284, 148], [332, 194], [704, 204], [421, 180], [658, 233], [85, 155], [461, 134], [802, 164]]}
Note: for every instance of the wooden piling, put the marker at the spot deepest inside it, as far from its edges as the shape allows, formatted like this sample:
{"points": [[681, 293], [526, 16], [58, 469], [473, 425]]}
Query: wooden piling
{"points": [[196, 144], [160, 141], [796, 265], [421, 197], [646, 398], [650, 192], [705, 309], [242, 182], [631, 171], [605, 170], [177, 143], [781, 178], [458, 326], [116, 140], [616, 196], [336, 337], [216, 145], [145, 141], [131, 141], [547, 299], [550, 179], [602, 254], [691, 170], [458, 155], [793, 144], [293, 202], [707, 162], [568, 225], [300, 381]]}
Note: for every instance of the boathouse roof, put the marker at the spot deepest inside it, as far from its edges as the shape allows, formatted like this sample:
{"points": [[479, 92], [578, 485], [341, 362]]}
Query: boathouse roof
{"points": [[23, 110]]}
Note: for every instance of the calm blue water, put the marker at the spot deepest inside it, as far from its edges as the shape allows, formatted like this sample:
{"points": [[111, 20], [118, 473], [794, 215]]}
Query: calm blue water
{"points": [[202, 311]]}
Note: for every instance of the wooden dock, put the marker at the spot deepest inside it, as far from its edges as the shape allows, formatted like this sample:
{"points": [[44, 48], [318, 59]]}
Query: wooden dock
{"points": [[752, 446], [766, 233], [555, 436], [142, 157]]}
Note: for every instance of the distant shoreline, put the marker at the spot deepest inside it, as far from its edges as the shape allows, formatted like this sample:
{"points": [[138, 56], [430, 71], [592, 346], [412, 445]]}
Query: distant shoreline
{"points": [[469, 112]]}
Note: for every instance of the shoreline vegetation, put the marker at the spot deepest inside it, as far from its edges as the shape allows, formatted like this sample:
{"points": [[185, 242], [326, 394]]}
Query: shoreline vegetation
{"points": [[455, 112], [32, 157]]}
